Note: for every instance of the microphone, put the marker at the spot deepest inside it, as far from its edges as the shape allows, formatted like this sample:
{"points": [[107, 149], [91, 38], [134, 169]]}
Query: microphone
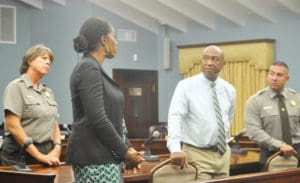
{"points": [[240, 134], [155, 134], [236, 146], [67, 128], [147, 155]]}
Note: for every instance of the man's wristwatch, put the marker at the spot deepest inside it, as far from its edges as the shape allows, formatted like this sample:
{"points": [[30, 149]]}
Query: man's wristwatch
{"points": [[27, 142]]}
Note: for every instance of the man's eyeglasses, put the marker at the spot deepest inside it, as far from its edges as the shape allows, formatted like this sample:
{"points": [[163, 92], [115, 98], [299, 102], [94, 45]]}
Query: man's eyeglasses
{"points": [[213, 59]]}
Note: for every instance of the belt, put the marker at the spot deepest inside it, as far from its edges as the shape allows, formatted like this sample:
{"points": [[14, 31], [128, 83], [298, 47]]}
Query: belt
{"points": [[212, 148], [43, 143]]}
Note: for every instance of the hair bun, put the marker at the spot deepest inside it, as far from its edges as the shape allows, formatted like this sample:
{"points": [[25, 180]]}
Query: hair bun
{"points": [[80, 44]]}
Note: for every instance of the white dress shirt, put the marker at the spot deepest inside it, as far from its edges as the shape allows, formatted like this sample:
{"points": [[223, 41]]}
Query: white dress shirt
{"points": [[192, 118]]}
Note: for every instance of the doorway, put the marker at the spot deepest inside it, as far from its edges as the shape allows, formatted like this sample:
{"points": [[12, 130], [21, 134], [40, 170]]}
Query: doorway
{"points": [[141, 99]]}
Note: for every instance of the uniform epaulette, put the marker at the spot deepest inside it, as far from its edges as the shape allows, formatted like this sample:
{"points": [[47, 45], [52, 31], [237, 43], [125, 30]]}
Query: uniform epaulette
{"points": [[17, 80], [260, 92], [291, 90]]}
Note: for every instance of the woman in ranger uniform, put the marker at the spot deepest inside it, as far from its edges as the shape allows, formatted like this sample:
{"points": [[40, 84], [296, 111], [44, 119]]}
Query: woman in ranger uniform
{"points": [[32, 132]]}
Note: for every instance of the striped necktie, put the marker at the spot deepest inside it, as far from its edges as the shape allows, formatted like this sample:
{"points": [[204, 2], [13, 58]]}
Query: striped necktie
{"points": [[221, 143], [284, 116]]}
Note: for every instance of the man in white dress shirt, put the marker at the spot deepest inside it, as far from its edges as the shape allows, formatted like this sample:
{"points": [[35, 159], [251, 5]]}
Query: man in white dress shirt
{"points": [[193, 127]]}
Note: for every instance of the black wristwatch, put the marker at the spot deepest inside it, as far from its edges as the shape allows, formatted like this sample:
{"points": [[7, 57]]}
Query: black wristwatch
{"points": [[27, 142]]}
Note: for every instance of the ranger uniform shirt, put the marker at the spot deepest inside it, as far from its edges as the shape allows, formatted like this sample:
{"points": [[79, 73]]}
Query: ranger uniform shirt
{"points": [[263, 121], [36, 108]]}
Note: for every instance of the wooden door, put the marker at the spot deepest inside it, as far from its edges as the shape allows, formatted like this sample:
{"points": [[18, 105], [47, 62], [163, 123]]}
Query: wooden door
{"points": [[140, 91]]}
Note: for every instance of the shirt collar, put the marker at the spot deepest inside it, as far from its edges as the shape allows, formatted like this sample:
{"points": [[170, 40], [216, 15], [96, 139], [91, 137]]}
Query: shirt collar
{"points": [[273, 93], [207, 81], [29, 84]]}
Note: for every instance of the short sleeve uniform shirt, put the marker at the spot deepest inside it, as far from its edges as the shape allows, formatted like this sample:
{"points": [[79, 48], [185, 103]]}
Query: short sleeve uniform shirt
{"points": [[37, 108]]}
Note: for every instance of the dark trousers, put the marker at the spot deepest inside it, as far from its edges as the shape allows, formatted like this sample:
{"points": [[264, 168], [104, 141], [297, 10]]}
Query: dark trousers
{"points": [[14, 154]]}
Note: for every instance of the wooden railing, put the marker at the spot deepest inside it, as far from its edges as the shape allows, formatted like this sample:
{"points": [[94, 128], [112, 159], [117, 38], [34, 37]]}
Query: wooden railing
{"points": [[283, 176]]}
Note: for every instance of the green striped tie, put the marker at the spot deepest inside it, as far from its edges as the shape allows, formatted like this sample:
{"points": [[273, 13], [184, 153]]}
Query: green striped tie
{"points": [[221, 143], [284, 116]]}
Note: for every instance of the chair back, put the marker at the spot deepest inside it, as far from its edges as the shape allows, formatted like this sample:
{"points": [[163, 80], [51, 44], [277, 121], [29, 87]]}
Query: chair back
{"points": [[165, 172], [279, 162]]}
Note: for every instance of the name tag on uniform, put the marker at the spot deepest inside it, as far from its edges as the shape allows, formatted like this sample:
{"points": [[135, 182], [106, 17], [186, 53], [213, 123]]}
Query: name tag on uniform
{"points": [[267, 107]]}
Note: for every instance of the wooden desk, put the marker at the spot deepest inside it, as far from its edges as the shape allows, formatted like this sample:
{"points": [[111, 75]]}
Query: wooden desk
{"points": [[39, 174], [239, 164], [64, 174], [244, 163], [158, 146]]}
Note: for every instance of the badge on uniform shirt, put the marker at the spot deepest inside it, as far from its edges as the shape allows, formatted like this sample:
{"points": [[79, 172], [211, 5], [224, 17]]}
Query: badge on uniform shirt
{"points": [[293, 102], [47, 94]]}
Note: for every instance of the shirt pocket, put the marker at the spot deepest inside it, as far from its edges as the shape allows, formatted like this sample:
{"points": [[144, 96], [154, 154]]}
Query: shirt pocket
{"points": [[31, 102], [32, 107], [51, 102], [52, 106], [294, 117], [269, 117]]}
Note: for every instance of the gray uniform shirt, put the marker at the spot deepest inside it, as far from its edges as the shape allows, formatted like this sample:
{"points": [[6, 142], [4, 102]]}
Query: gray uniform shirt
{"points": [[36, 108], [262, 118]]}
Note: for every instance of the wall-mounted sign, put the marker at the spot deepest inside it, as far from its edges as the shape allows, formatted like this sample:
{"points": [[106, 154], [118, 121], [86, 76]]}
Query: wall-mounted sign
{"points": [[135, 92]]}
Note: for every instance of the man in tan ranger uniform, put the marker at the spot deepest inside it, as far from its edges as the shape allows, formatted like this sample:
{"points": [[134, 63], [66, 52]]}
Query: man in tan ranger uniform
{"points": [[263, 118]]}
